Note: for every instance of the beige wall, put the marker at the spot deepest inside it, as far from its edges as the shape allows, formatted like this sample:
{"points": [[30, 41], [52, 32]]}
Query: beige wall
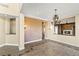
{"points": [[33, 29], [12, 9], [9, 39], [5, 36], [72, 40], [7, 25], [12, 39], [2, 31]]}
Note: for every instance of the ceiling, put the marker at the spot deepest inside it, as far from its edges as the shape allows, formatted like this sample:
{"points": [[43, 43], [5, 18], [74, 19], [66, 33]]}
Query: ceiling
{"points": [[46, 10]]}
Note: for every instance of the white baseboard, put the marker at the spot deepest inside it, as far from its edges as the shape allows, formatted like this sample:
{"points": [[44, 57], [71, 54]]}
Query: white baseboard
{"points": [[33, 41], [8, 44], [64, 43], [2, 45], [11, 44]]}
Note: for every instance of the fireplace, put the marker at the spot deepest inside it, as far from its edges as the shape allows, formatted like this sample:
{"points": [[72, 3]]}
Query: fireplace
{"points": [[67, 32]]}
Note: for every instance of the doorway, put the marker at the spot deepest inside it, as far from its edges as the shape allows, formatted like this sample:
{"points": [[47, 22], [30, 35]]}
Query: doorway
{"points": [[43, 30]]}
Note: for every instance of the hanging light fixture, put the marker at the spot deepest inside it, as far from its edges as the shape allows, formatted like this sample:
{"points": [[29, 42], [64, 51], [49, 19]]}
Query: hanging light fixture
{"points": [[56, 17]]}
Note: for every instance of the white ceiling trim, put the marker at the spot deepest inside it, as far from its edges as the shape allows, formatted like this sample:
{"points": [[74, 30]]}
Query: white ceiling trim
{"points": [[4, 4], [36, 18]]}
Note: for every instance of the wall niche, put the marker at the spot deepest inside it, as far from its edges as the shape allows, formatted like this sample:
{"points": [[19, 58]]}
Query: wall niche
{"points": [[12, 25]]}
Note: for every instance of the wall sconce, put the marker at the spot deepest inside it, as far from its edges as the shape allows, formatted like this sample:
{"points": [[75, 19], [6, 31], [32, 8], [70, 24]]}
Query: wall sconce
{"points": [[52, 23], [25, 27]]}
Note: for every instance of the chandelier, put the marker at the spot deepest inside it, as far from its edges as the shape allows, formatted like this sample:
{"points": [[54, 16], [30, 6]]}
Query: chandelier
{"points": [[56, 17]]}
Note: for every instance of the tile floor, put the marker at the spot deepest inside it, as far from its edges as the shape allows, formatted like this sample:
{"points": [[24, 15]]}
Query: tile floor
{"points": [[9, 51], [49, 48], [41, 48]]}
